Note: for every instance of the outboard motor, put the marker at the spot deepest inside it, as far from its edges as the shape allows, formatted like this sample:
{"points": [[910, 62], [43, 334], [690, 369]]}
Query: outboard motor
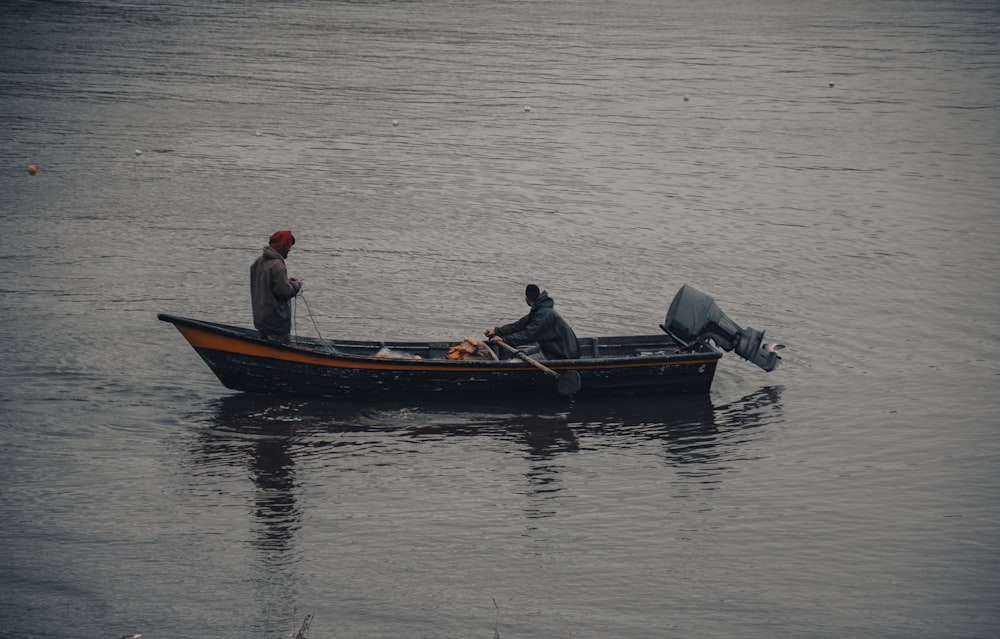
{"points": [[694, 316]]}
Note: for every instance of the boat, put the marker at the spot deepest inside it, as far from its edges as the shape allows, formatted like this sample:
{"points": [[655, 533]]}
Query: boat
{"points": [[681, 359]]}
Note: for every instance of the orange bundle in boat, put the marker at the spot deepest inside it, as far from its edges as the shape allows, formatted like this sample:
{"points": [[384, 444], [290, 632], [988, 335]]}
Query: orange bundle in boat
{"points": [[471, 348]]}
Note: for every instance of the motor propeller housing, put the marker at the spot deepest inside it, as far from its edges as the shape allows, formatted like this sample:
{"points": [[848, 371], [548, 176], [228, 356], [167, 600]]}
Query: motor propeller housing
{"points": [[694, 316]]}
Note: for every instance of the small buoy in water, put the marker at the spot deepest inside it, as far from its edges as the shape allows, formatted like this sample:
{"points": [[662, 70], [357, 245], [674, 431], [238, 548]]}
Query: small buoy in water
{"points": [[395, 123], [686, 98], [258, 133], [527, 109], [31, 169], [831, 85], [138, 152]]}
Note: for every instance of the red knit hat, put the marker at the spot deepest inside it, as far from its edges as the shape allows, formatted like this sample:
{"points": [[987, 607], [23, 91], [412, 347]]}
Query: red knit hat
{"points": [[281, 241]]}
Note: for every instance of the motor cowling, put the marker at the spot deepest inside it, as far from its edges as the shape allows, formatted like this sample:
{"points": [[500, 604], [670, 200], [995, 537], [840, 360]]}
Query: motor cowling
{"points": [[694, 316]]}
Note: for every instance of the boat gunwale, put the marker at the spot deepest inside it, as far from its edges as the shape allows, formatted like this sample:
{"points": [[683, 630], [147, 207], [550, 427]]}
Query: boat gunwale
{"points": [[327, 357]]}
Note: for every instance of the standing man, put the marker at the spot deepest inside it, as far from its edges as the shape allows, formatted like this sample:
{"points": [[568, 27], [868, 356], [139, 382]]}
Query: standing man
{"points": [[543, 325], [271, 290]]}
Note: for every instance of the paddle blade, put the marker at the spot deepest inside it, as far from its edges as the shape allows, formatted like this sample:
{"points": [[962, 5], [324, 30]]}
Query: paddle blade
{"points": [[569, 382]]}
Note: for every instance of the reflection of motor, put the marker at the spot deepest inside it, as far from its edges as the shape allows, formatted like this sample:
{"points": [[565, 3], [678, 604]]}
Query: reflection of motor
{"points": [[694, 316]]}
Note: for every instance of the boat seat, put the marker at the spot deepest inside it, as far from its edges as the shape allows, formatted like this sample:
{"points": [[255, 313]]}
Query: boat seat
{"points": [[533, 351]]}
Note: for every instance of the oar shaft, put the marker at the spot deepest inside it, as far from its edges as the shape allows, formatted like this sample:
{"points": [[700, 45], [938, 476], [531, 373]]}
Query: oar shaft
{"points": [[531, 361]]}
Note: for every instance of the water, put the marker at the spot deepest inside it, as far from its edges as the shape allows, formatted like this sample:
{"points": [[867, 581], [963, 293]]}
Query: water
{"points": [[832, 178]]}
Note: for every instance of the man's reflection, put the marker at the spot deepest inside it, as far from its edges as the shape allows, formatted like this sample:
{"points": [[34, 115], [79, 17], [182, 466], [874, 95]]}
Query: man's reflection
{"points": [[543, 439], [276, 513], [258, 434]]}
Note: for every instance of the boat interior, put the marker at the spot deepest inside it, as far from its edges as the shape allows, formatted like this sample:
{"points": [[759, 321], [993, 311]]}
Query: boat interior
{"points": [[590, 348]]}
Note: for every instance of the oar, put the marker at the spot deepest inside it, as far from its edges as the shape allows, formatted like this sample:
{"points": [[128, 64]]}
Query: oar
{"points": [[568, 382]]}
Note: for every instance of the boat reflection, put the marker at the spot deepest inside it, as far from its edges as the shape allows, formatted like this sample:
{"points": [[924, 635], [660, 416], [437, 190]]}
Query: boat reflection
{"points": [[269, 438], [263, 434], [692, 430], [688, 426]]}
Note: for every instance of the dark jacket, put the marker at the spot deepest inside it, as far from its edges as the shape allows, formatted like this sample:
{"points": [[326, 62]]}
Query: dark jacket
{"points": [[271, 294], [543, 325]]}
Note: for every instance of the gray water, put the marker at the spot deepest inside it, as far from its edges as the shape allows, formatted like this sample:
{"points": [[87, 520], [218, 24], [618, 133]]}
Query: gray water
{"points": [[832, 178]]}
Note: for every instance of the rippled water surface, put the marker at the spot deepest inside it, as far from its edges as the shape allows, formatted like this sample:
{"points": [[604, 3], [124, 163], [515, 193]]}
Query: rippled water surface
{"points": [[827, 171]]}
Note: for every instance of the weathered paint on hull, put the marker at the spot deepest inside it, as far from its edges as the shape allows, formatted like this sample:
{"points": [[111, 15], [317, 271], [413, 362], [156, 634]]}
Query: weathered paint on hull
{"points": [[245, 362], [266, 375]]}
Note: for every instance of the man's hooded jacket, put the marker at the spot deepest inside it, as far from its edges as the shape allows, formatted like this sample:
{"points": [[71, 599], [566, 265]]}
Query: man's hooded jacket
{"points": [[543, 325], [271, 293]]}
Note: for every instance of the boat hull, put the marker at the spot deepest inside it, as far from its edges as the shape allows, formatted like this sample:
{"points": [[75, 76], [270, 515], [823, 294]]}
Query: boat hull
{"points": [[243, 361]]}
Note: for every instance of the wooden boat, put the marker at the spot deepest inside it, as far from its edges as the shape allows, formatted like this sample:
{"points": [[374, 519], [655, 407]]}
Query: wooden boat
{"points": [[680, 360]]}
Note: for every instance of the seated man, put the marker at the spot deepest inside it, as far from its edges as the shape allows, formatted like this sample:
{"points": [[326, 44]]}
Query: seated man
{"points": [[542, 325]]}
